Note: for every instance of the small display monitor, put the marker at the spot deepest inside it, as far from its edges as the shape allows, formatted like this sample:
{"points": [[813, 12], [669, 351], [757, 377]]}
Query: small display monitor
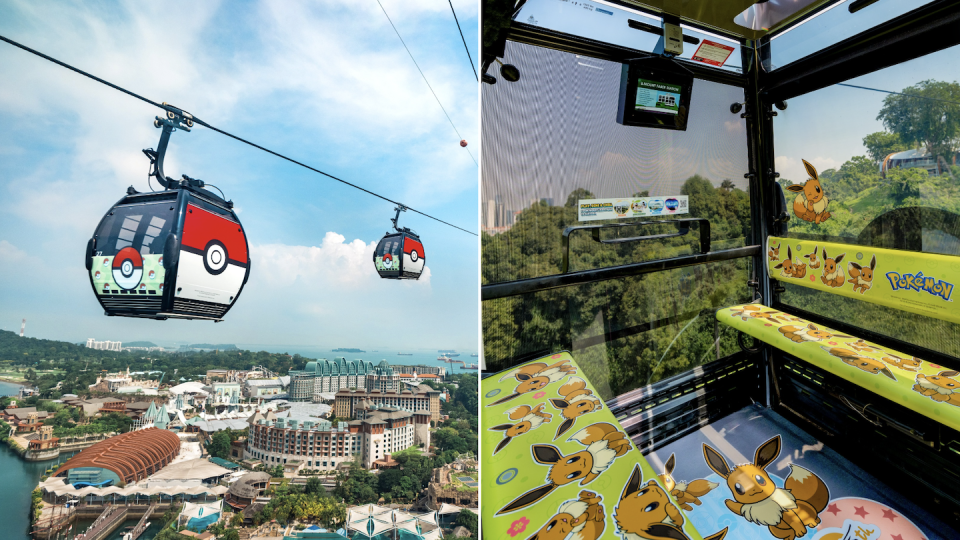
{"points": [[655, 92]]}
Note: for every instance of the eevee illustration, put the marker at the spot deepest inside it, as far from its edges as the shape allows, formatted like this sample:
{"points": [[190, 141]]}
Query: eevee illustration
{"points": [[862, 363], [753, 311], [811, 202], [604, 443], [645, 512], [941, 387], [814, 262], [535, 376], [577, 401], [774, 253], [684, 492], [524, 419], [788, 511], [810, 332], [832, 272], [861, 276], [584, 518], [911, 364], [861, 346], [790, 268]]}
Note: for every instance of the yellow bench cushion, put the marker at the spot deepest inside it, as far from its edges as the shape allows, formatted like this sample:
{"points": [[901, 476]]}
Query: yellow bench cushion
{"points": [[921, 283], [916, 384], [556, 461]]}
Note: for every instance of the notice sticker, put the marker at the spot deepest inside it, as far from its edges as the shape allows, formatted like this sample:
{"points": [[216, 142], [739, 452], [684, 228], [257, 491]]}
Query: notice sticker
{"points": [[631, 207], [712, 53]]}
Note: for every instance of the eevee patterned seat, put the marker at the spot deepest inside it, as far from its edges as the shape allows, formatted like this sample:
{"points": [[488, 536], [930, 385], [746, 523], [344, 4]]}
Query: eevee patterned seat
{"points": [[921, 283], [558, 464]]}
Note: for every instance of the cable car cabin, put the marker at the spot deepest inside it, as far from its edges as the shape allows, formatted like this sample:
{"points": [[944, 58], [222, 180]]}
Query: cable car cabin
{"points": [[178, 253], [713, 308], [399, 256]]}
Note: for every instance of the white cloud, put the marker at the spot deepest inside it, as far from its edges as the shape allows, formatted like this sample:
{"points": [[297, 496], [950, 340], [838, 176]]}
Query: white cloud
{"points": [[734, 126]]}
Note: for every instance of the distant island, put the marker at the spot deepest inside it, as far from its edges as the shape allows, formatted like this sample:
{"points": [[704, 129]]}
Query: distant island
{"points": [[220, 346], [347, 349], [139, 344]]}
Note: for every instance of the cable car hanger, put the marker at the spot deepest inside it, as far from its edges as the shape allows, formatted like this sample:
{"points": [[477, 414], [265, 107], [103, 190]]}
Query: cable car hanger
{"points": [[195, 120]]}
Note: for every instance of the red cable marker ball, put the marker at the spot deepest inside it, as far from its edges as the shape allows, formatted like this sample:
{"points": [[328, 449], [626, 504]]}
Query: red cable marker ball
{"points": [[463, 143]]}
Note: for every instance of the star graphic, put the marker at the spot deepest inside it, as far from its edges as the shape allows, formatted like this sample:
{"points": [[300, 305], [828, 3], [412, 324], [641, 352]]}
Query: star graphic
{"points": [[860, 511], [897, 537], [833, 509], [889, 514]]}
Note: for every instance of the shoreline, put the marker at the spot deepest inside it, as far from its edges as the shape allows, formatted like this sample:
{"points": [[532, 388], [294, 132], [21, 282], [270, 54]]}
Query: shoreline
{"points": [[11, 381]]}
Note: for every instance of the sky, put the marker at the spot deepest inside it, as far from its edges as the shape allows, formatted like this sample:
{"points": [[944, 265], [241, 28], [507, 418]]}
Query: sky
{"points": [[327, 83]]}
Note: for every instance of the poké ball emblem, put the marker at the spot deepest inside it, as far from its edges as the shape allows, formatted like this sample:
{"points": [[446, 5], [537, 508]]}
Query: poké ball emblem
{"points": [[152, 274], [414, 255], [388, 260], [161, 287], [143, 286], [106, 262], [160, 261], [96, 276], [215, 257], [128, 268]]}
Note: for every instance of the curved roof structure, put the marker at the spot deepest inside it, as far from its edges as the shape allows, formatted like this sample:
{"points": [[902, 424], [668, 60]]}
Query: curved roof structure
{"points": [[245, 487], [132, 456], [342, 366]]}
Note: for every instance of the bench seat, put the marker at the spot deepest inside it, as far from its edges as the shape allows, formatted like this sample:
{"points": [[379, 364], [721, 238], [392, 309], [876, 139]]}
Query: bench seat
{"points": [[555, 457], [921, 386]]}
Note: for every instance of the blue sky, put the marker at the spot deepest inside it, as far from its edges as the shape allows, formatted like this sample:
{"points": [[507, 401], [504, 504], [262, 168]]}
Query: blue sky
{"points": [[327, 83]]}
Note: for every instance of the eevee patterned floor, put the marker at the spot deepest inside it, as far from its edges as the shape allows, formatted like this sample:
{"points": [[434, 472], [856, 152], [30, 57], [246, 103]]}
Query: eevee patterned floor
{"points": [[733, 473]]}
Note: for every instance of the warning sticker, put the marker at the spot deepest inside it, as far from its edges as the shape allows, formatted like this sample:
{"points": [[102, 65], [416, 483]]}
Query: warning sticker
{"points": [[712, 53], [630, 207]]}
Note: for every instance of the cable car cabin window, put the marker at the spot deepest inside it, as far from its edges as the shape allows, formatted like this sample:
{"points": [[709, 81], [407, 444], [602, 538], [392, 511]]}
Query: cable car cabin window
{"points": [[829, 26], [610, 24], [140, 226], [888, 165], [563, 181]]}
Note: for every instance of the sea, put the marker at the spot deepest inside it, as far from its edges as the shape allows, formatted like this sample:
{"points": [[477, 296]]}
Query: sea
{"points": [[18, 478], [416, 356]]}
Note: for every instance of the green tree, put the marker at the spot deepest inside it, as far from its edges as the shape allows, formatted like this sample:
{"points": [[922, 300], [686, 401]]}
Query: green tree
{"points": [[576, 195], [220, 445], [926, 114], [314, 487], [469, 520], [883, 143]]}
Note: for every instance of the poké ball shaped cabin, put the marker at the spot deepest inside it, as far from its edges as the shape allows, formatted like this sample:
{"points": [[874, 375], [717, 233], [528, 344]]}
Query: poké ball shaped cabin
{"points": [[179, 253], [400, 256]]}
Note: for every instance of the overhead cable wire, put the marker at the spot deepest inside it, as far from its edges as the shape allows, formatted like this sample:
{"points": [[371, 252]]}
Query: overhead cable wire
{"points": [[898, 93], [425, 79], [464, 40], [222, 132]]}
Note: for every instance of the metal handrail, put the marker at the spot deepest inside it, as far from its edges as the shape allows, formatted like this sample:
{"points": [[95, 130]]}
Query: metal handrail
{"points": [[683, 228]]}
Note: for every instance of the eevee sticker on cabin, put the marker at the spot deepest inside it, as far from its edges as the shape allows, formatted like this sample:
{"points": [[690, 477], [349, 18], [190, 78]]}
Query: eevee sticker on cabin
{"points": [[535, 377], [811, 202], [583, 517], [787, 512]]}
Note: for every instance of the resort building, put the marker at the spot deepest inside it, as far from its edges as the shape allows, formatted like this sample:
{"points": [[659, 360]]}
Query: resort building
{"points": [[245, 491], [420, 369], [129, 457], [325, 376], [416, 399], [318, 444], [103, 345], [24, 419], [264, 388]]}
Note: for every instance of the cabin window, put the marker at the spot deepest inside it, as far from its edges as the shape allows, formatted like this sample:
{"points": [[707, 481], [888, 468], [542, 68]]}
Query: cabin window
{"points": [[143, 226]]}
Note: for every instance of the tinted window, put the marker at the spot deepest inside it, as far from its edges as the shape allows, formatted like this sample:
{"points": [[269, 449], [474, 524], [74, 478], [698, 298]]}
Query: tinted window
{"points": [[143, 226]]}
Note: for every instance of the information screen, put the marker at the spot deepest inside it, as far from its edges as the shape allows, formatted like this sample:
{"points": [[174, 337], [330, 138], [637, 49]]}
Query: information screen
{"points": [[658, 97], [655, 92]]}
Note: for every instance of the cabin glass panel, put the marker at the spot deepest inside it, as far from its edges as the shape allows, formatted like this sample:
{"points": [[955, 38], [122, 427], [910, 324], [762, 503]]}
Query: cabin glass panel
{"points": [[830, 26], [135, 233], [552, 141], [888, 167], [608, 23]]}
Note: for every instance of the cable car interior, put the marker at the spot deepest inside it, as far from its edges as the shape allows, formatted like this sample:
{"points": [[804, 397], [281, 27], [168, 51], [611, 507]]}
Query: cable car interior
{"points": [[717, 297]]}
